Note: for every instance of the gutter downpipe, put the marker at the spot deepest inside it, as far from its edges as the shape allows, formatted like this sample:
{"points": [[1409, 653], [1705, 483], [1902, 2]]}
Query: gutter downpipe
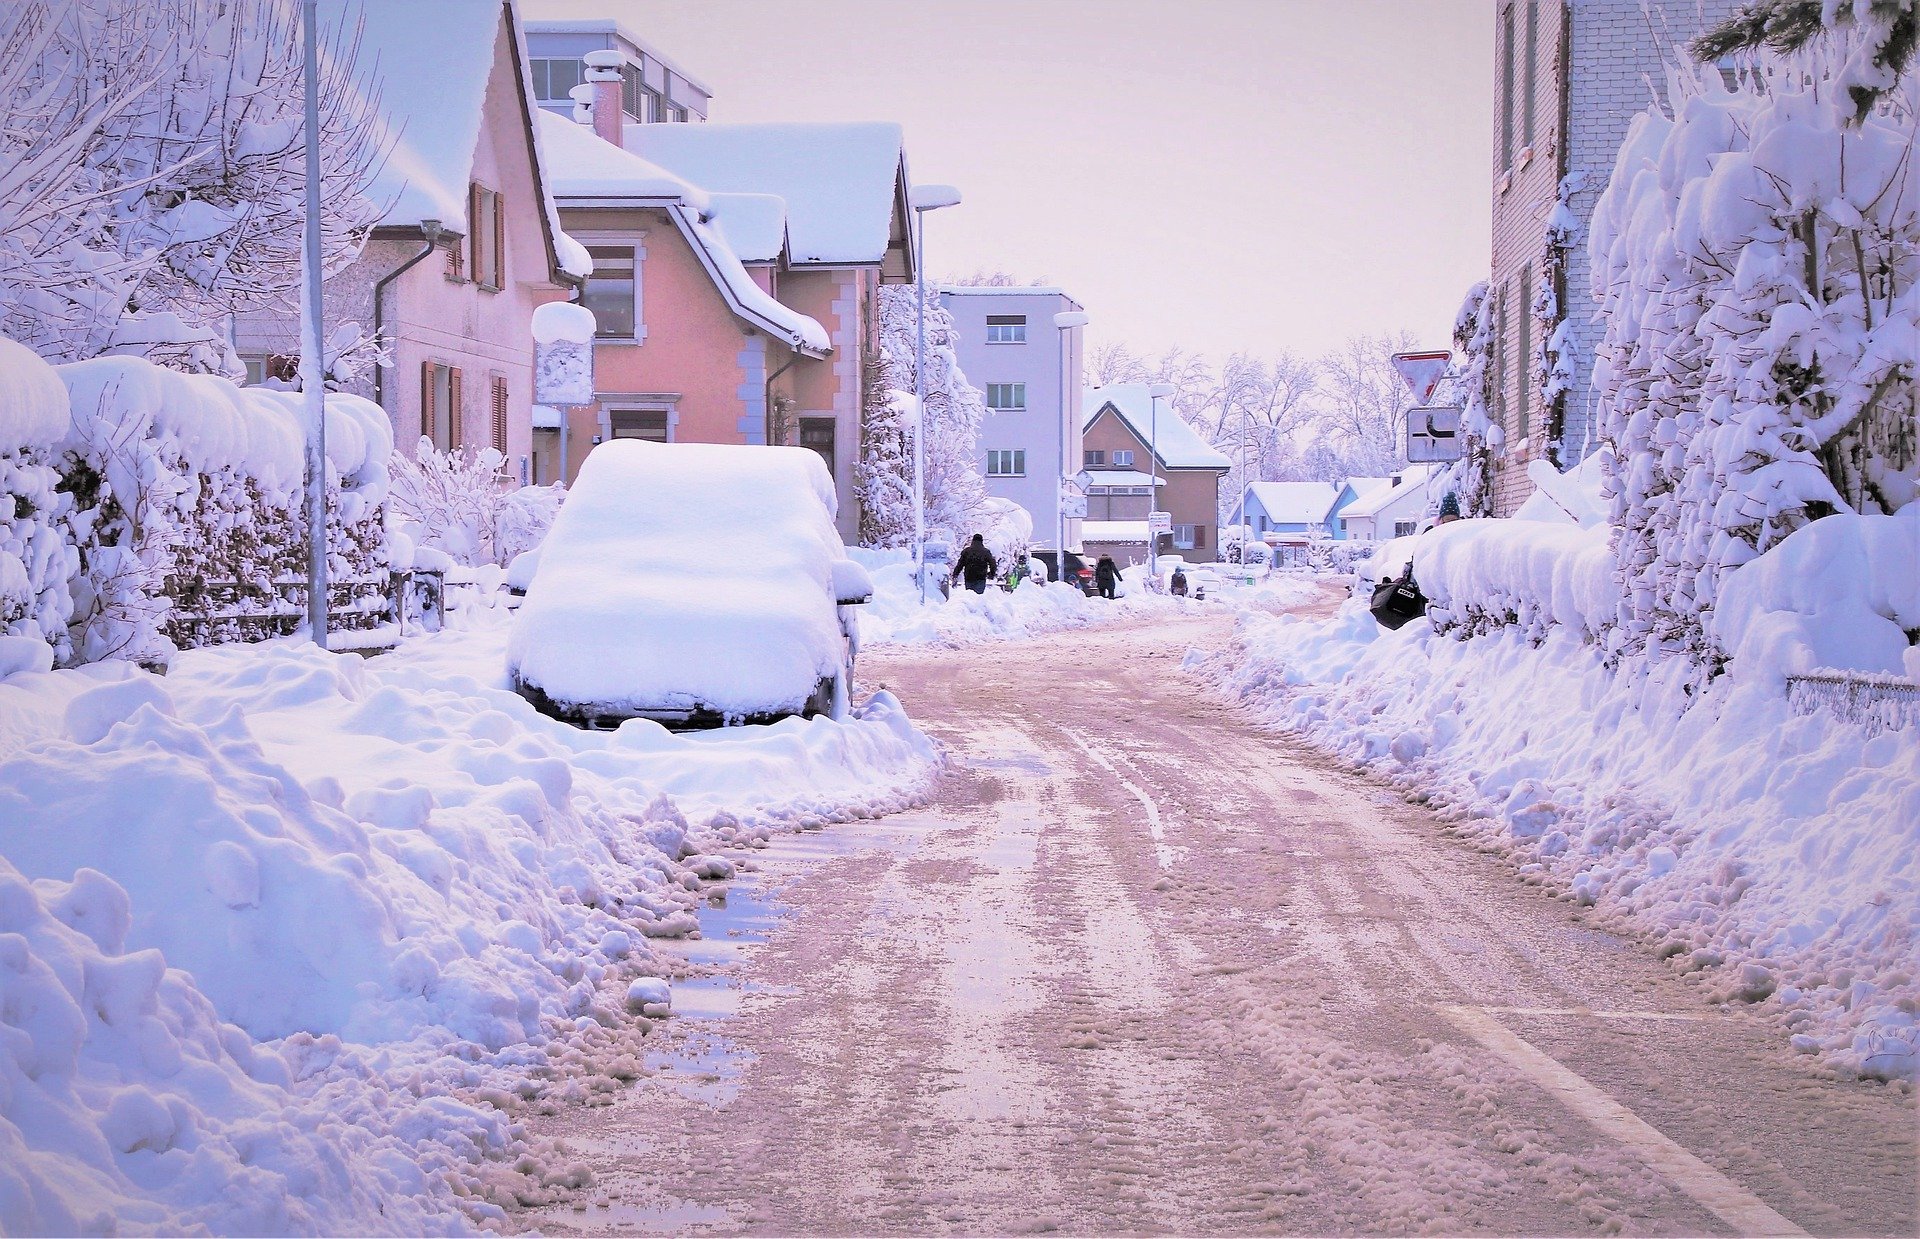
{"points": [[792, 360], [431, 230]]}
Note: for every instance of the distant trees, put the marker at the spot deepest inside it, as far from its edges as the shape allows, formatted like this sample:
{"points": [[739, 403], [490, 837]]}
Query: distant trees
{"points": [[1288, 418], [152, 169]]}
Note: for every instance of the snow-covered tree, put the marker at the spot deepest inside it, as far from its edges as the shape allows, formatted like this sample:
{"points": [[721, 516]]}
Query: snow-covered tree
{"points": [[460, 502], [1470, 479], [955, 492], [1878, 37], [1757, 254], [152, 169], [1364, 403]]}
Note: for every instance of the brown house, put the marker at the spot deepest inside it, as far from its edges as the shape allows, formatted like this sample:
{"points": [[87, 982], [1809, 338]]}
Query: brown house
{"points": [[1133, 451]]}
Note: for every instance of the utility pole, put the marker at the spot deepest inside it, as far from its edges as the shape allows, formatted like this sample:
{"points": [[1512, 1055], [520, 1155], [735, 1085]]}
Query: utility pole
{"points": [[921, 198], [313, 364]]}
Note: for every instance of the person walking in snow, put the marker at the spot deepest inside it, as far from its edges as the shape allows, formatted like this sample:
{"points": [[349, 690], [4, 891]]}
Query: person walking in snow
{"points": [[977, 564], [1106, 574]]}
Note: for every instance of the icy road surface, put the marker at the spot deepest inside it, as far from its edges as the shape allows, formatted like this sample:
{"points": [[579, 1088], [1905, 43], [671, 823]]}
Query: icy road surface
{"points": [[1142, 968]]}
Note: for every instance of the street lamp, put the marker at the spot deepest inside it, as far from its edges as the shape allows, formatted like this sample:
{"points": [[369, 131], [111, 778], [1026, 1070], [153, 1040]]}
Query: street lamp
{"points": [[1069, 408], [922, 198], [313, 363], [1156, 393]]}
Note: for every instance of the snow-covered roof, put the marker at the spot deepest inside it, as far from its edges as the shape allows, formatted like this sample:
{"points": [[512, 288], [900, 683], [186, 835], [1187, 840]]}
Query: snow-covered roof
{"points": [[1123, 477], [754, 224], [1179, 445], [747, 298], [546, 417], [1412, 478], [1296, 503], [429, 61], [581, 164], [840, 181], [1362, 485], [1114, 531], [1000, 290]]}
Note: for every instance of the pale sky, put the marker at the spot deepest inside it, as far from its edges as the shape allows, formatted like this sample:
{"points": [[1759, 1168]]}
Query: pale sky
{"points": [[1264, 175]]}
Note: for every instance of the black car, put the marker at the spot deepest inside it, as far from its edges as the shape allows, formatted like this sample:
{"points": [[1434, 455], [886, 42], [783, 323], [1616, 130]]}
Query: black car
{"points": [[1078, 571]]}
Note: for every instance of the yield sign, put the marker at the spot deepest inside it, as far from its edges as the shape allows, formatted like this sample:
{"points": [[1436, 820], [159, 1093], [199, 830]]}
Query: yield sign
{"points": [[1422, 372]]}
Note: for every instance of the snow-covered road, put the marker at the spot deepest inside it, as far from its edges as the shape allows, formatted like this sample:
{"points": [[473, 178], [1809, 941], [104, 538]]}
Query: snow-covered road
{"points": [[1142, 967]]}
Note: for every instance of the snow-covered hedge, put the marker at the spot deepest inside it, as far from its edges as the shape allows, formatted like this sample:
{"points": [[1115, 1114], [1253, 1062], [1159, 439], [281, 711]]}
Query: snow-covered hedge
{"points": [[1482, 575], [153, 510]]}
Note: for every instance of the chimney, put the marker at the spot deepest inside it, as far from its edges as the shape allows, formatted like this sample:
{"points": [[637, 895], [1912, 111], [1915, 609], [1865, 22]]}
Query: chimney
{"points": [[603, 79]]}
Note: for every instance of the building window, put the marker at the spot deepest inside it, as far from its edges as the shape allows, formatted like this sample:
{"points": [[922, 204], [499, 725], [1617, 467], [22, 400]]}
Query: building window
{"points": [[678, 115], [440, 405], [1189, 537], [1009, 464], [499, 406], [1007, 397], [1006, 329], [1404, 529], [554, 79], [1499, 351], [1523, 359], [1095, 459], [1506, 87], [486, 238], [613, 292], [817, 434], [1527, 77], [456, 262], [1123, 458], [635, 99], [649, 424]]}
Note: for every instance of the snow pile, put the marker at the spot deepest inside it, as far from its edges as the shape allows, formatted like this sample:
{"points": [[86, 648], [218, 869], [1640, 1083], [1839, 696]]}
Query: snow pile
{"points": [[683, 577], [36, 558], [1479, 575], [1840, 594], [1770, 853], [286, 937]]}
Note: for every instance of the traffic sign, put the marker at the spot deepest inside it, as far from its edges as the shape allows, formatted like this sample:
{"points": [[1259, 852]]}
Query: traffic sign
{"points": [[1159, 522], [1422, 372], [1433, 434]]}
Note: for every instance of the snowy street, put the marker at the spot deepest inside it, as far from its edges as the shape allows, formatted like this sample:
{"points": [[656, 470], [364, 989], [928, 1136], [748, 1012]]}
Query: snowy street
{"points": [[1143, 967]]}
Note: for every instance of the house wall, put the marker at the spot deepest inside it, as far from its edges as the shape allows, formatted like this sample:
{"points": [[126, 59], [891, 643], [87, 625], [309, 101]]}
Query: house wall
{"points": [[1593, 62], [1048, 363], [1191, 496], [841, 301], [434, 318]]}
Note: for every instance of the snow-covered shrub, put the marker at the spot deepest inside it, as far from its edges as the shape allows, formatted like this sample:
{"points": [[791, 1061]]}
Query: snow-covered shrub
{"points": [[1331, 557], [152, 170], [460, 503], [1756, 255], [184, 509], [36, 559], [953, 488], [1480, 576], [1474, 344]]}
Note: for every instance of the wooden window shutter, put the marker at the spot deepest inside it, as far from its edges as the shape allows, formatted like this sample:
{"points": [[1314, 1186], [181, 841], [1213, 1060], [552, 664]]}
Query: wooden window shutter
{"points": [[453, 414], [426, 403], [499, 243], [456, 263], [476, 256], [500, 415], [1199, 537]]}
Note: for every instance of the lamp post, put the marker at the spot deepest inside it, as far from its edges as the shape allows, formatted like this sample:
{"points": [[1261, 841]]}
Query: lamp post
{"points": [[1155, 393], [1069, 408], [922, 198], [313, 364]]}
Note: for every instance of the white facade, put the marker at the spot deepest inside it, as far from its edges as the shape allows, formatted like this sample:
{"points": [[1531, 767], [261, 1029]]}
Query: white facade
{"points": [[1010, 350], [653, 88]]}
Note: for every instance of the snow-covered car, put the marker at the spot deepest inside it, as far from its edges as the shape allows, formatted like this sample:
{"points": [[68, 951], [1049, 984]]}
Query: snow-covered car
{"points": [[693, 584]]}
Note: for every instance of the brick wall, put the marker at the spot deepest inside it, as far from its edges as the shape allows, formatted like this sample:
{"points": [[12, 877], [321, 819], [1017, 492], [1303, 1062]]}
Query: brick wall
{"points": [[1596, 63]]}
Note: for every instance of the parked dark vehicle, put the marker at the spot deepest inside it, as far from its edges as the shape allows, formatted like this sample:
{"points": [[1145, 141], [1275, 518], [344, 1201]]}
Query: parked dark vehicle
{"points": [[1079, 571]]}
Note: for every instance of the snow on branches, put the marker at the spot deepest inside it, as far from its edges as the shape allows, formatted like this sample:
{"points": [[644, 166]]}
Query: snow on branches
{"points": [[152, 170], [1756, 255], [955, 492], [1471, 478], [459, 502]]}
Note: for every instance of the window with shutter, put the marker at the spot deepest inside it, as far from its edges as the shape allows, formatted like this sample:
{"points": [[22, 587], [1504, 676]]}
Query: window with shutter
{"points": [[486, 235], [456, 262], [499, 415]]}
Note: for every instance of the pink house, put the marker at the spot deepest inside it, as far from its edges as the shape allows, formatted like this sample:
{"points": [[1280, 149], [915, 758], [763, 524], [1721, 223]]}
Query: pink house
{"points": [[471, 244]]}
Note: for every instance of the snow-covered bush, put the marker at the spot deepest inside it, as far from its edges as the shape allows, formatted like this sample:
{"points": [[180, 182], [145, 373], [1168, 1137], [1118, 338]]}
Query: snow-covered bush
{"points": [[152, 171], [460, 502], [1756, 255], [953, 489], [1474, 345], [1480, 576], [36, 559]]}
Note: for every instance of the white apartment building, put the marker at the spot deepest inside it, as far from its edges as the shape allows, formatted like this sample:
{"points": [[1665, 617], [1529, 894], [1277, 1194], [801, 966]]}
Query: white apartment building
{"points": [[653, 88], [1030, 372]]}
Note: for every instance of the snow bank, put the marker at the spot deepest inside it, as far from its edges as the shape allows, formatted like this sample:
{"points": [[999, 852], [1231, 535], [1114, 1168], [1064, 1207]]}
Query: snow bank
{"points": [[1772, 854], [287, 937], [686, 576], [1839, 594]]}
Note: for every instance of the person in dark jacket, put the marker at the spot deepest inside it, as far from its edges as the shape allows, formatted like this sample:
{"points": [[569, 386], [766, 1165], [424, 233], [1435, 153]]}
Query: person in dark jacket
{"points": [[977, 564], [1178, 585], [1106, 574]]}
